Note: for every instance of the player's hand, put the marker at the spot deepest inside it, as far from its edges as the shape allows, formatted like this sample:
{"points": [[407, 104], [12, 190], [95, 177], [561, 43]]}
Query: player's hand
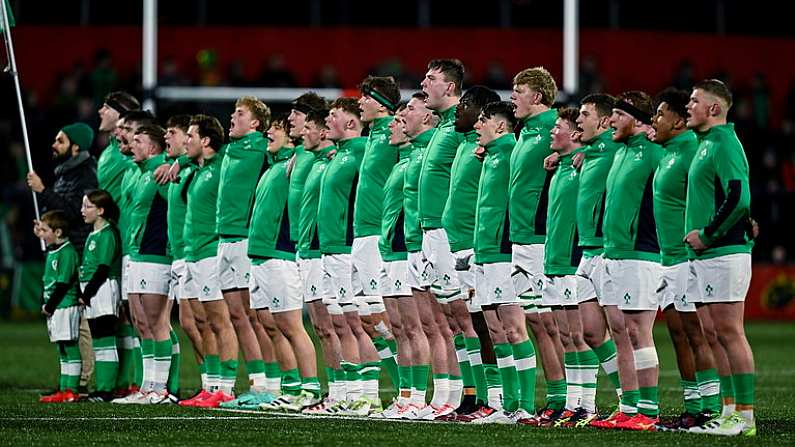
{"points": [[44, 310], [480, 153], [34, 182], [37, 228], [579, 157], [694, 241], [551, 162], [331, 154], [161, 174], [754, 228], [173, 173]]}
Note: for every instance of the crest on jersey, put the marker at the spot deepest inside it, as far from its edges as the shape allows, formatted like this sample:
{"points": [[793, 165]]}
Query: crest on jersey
{"points": [[92, 246]]}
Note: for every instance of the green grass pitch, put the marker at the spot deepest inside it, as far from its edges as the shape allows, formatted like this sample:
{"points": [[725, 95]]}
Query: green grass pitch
{"points": [[28, 365]]}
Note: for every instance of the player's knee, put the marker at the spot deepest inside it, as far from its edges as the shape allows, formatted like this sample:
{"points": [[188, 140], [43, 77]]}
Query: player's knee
{"points": [[645, 358], [678, 335]]}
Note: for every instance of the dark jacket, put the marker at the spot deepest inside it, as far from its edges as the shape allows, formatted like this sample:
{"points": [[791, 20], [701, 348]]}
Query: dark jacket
{"points": [[73, 178]]}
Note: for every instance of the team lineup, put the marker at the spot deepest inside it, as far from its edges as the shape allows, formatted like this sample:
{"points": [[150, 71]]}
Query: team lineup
{"points": [[462, 242]]}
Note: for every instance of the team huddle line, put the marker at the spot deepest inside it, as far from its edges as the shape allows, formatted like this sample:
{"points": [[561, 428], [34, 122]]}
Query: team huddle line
{"points": [[462, 240]]}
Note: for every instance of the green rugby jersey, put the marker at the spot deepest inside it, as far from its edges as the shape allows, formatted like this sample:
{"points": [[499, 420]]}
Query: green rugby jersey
{"points": [[670, 195], [599, 154], [61, 266], [629, 228], [458, 219], [128, 183], [492, 218], [301, 165], [148, 216], [111, 166], [308, 242], [718, 194], [337, 196], [434, 186], [412, 228], [201, 235], [242, 165], [562, 252], [177, 207], [269, 233], [392, 242], [378, 159], [103, 247], [529, 179]]}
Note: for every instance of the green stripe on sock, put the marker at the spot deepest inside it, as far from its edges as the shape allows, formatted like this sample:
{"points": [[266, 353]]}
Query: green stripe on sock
{"points": [[692, 398], [311, 385], [744, 386], [272, 370], [472, 346], [709, 388], [630, 399], [291, 382], [648, 402], [556, 394], [464, 366], [106, 366], [726, 387]]}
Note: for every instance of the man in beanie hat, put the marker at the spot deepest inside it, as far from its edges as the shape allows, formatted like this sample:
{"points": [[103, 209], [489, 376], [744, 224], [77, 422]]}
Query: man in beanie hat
{"points": [[75, 174]]}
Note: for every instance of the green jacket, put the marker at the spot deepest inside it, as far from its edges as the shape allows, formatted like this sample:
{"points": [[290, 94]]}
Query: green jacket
{"points": [[111, 166], [529, 180], [337, 196], [435, 174], [412, 228], [629, 228], [379, 158], [670, 195], [492, 219], [392, 242], [301, 165], [243, 164], [201, 235], [103, 247], [128, 183], [458, 219], [148, 216], [61, 266], [561, 251], [308, 241], [718, 194], [177, 207], [269, 233], [599, 154]]}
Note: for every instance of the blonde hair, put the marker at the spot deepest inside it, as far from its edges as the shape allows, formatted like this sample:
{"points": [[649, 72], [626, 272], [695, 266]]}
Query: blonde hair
{"points": [[540, 80], [259, 109]]}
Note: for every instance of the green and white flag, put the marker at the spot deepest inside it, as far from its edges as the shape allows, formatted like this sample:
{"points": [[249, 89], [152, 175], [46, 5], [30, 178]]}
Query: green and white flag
{"points": [[11, 22]]}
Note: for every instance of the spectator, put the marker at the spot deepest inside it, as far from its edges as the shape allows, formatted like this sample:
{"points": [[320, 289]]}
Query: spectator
{"points": [[75, 174], [276, 73]]}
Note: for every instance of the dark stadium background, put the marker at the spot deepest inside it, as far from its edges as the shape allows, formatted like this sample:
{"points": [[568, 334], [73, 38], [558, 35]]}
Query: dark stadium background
{"points": [[72, 52]]}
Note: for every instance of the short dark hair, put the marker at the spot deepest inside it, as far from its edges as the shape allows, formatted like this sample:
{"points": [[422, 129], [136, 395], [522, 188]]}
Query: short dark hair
{"points": [[122, 100], [318, 117], [386, 86], [716, 87], [639, 99], [280, 121], [309, 101], [480, 95], [452, 69], [179, 121], [57, 220], [209, 127], [503, 109], [155, 133], [602, 102], [102, 199], [349, 105], [141, 117], [422, 96], [569, 114], [676, 100]]}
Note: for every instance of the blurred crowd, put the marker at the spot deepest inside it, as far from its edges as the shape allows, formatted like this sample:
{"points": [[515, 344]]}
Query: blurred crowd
{"points": [[77, 94]]}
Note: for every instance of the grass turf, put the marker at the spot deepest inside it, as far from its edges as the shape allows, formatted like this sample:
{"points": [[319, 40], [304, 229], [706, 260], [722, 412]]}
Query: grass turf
{"points": [[28, 364]]}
